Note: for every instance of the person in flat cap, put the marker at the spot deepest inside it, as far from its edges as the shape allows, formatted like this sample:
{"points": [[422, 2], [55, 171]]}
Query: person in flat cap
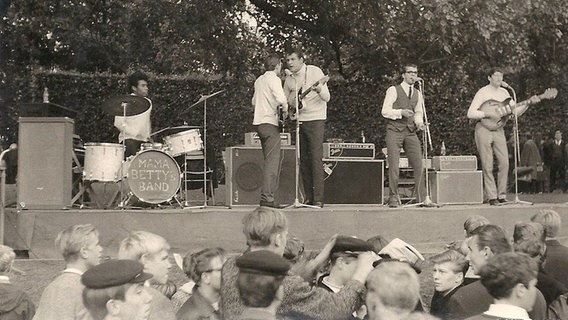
{"points": [[344, 261], [115, 290], [260, 275]]}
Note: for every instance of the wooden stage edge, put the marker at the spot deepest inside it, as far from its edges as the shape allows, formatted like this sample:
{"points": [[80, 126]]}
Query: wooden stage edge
{"points": [[189, 229]]}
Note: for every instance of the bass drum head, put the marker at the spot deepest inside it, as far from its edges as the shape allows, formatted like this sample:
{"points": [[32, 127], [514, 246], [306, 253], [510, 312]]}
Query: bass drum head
{"points": [[153, 176]]}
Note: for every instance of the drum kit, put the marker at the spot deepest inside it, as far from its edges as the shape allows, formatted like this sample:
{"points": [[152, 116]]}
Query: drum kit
{"points": [[152, 175]]}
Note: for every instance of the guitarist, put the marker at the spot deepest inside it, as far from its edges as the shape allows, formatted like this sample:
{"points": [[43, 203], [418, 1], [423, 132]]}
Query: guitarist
{"points": [[268, 96], [491, 142], [312, 118]]}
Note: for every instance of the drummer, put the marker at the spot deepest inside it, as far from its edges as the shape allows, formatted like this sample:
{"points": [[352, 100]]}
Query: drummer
{"points": [[135, 130]]}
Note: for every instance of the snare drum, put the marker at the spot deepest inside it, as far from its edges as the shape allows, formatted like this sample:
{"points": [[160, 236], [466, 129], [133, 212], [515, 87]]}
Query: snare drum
{"points": [[151, 146], [102, 161], [183, 142], [153, 176]]}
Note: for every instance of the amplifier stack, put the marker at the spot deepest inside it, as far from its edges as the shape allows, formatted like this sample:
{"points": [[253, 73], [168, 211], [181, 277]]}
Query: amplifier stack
{"points": [[456, 180]]}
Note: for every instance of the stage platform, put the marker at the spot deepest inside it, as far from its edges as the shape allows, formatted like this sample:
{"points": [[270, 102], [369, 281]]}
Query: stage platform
{"points": [[188, 229]]}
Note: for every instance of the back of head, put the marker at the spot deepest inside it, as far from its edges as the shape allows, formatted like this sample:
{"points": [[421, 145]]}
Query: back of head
{"points": [[260, 275], [458, 260], [550, 220], [504, 271], [260, 225], [71, 240], [528, 237], [473, 222], [493, 237], [392, 285], [271, 62], [7, 256], [139, 243], [195, 264]]}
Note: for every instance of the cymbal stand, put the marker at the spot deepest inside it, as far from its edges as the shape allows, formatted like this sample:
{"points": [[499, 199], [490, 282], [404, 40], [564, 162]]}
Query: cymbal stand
{"points": [[516, 150], [297, 203], [204, 99], [427, 142]]}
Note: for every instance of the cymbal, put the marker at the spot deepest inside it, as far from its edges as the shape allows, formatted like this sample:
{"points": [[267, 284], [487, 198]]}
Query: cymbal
{"points": [[126, 104], [201, 99]]}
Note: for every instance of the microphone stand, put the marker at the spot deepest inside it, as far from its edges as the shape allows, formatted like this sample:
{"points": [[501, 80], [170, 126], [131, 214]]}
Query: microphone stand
{"points": [[297, 203], [426, 141], [516, 150]]}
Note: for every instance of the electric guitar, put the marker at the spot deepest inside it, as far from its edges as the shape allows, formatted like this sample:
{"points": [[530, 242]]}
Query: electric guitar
{"points": [[281, 120], [302, 94], [505, 108]]}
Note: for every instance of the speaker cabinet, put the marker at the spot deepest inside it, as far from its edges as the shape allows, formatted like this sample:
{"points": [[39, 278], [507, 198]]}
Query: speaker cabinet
{"points": [[353, 181], [456, 187], [45, 147], [244, 167]]}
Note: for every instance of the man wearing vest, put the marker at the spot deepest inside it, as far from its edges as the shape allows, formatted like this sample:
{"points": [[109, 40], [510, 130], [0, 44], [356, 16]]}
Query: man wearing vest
{"points": [[403, 109]]}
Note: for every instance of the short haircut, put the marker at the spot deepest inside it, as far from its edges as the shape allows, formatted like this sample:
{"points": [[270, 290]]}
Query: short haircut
{"points": [[7, 256], [261, 224], [378, 242], [408, 65], [258, 290], [195, 264], [71, 240], [551, 221], [342, 254], [294, 249], [528, 237], [140, 243], [491, 71], [271, 62], [504, 271], [458, 260], [95, 300], [297, 51], [395, 284], [493, 237], [472, 222], [134, 78]]}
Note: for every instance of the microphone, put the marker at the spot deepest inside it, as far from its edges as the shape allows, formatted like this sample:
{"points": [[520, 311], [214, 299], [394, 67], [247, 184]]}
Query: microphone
{"points": [[418, 79], [505, 85]]}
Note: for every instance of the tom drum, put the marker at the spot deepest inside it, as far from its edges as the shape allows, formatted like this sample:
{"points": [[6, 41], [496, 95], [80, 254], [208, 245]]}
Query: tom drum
{"points": [[183, 142]]}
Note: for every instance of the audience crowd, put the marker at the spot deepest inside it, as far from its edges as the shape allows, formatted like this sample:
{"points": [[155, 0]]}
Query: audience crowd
{"points": [[487, 275]]}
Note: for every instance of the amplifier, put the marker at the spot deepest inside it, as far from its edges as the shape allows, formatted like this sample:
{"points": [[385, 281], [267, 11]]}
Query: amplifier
{"points": [[454, 163], [252, 139], [349, 150]]}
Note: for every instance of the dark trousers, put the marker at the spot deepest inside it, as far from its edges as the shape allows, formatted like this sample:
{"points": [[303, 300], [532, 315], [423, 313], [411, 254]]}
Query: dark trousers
{"points": [[132, 147], [270, 141], [311, 164], [409, 141], [557, 176]]}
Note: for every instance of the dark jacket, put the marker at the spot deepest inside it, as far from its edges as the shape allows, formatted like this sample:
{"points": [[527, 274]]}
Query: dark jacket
{"points": [[197, 308], [15, 304]]}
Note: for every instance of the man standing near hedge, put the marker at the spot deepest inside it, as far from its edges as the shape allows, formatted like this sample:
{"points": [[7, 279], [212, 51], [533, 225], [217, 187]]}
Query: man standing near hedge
{"points": [[268, 98], [135, 130], [403, 109]]}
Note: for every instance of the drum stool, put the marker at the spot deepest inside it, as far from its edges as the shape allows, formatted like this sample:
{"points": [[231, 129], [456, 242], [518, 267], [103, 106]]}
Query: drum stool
{"points": [[194, 175]]}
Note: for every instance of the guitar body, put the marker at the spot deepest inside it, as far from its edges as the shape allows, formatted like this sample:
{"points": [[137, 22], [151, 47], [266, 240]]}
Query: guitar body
{"points": [[501, 107], [301, 94], [505, 108]]}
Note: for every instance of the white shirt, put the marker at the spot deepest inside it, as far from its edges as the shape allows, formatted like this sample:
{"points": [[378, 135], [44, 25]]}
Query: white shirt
{"points": [[395, 114], [268, 94], [486, 93], [315, 104], [507, 311]]}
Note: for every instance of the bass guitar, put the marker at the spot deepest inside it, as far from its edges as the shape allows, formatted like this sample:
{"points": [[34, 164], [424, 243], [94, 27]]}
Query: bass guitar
{"points": [[505, 108], [302, 94]]}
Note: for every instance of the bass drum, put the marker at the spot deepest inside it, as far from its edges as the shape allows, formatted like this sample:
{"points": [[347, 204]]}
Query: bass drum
{"points": [[153, 176]]}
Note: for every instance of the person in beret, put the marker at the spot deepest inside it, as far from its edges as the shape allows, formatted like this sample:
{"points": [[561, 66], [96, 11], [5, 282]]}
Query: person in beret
{"points": [[114, 290], [260, 275], [344, 261]]}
